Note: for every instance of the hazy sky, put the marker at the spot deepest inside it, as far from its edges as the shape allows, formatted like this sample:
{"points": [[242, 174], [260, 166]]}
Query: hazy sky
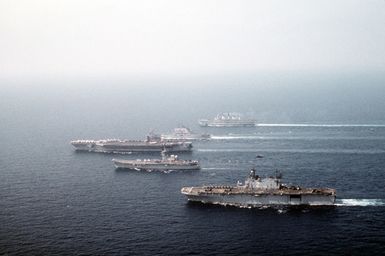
{"points": [[90, 37]]}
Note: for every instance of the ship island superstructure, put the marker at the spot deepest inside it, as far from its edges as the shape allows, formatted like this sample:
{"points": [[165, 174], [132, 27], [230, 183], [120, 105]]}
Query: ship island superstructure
{"points": [[228, 120], [257, 191], [126, 146], [166, 163], [184, 134]]}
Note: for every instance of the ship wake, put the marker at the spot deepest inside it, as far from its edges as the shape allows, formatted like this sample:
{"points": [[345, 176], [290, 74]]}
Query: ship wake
{"points": [[237, 137], [321, 125], [302, 151], [360, 202]]}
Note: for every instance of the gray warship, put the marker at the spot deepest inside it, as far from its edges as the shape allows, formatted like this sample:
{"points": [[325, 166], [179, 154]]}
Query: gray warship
{"points": [[151, 144], [228, 120], [165, 164], [257, 192], [184, 134]]}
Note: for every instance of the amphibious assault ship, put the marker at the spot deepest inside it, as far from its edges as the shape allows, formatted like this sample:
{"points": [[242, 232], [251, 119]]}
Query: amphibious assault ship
{"points": [[257, 191], [228, 120], [183, 134], [152, 144], [166, 163]]}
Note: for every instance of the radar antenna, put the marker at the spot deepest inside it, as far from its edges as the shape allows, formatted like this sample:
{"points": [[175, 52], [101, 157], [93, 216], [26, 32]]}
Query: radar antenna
{"points": [[252, 173]]}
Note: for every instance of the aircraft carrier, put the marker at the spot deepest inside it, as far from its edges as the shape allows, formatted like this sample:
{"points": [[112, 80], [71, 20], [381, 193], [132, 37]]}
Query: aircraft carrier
{"points": [[184, 134], [127, 146], [228, 120], [257, 192], [166, 163]]}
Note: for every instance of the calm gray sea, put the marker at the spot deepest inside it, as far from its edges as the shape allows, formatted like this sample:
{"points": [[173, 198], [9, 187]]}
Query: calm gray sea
{"points": [[55, 201]]}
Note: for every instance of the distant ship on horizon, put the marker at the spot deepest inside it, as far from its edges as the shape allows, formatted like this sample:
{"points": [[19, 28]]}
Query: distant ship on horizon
{"points": [[184, 134], [228, 120]]}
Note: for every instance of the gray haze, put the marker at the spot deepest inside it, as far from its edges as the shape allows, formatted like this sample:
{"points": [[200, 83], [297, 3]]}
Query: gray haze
{"points": [[161, 61], [166, 102], [88, 38]]}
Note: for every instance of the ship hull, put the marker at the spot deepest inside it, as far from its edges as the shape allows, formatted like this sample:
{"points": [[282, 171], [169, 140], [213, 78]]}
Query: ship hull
{"points": [[184, 138], [95, 146], [227, 123], [160, 167], [250, 200], [230, 125]]}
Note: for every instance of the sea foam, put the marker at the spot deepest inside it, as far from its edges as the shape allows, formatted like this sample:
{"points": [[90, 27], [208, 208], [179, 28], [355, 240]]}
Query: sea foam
{"points": [[360, 202]]}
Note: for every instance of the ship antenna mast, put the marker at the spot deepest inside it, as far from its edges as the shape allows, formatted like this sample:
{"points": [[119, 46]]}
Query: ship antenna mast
{"points": [[163, 153], [278, 174]]}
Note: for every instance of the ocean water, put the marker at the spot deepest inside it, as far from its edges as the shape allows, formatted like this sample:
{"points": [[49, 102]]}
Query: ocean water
{"points": [[55, 201]]}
